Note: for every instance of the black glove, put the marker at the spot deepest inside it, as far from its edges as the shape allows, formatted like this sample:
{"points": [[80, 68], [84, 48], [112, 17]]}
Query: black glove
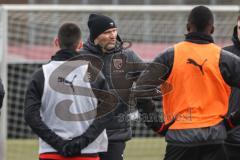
{"points": [[73, 147], [232, 121], [162, 130]]}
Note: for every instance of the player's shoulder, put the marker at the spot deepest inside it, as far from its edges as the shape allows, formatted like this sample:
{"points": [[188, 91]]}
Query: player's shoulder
{"points": [[128, 52], [132, 56], [166, 54], [38, 74], [228, 48]]}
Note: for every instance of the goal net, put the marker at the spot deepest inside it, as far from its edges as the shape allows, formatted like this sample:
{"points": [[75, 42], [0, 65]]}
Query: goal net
{"points": [[27, 34]]}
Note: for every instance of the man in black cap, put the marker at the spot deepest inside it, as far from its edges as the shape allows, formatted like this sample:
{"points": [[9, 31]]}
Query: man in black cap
{"points": [[120, 72]]}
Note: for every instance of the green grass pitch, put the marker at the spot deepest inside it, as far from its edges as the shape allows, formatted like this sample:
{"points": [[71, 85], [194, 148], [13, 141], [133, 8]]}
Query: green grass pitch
{"points": [[137, 149]]}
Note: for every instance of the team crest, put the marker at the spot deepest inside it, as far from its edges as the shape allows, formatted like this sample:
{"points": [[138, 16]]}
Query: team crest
{"points": [[117, 63]]}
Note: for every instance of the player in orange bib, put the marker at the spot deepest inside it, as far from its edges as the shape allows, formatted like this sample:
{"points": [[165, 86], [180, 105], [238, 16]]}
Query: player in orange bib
{"points": [[199, 75]]}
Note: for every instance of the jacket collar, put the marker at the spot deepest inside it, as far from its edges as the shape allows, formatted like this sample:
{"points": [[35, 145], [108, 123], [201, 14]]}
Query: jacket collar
{"points": [[64, 54], [200, 38]]}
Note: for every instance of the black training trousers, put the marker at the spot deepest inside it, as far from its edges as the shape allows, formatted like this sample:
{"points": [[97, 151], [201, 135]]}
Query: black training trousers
{"points": [[115, 151], [233, 151], [202, 152]]}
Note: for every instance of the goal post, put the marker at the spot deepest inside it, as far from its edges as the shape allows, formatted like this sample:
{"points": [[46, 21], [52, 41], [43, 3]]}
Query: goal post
{"points": [[26, 36], [3, 75], [118, 8]]}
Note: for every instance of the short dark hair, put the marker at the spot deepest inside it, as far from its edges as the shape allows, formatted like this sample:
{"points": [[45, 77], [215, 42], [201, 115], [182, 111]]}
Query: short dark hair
{"points": [[69, 35], [201, 17]]}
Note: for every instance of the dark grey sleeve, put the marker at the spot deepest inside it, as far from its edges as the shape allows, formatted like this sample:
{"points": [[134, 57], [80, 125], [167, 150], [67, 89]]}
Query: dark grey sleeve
{"points": [[156, 72], [2, 93], [229, 65], [147, 87], [148, 114], [166, 61], [135, 57], [32, 112], [135, 65]]}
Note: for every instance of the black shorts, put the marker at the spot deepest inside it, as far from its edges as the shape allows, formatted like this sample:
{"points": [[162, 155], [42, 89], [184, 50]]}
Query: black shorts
{"points": [[115, 151], [233, 151], [203, 152]]}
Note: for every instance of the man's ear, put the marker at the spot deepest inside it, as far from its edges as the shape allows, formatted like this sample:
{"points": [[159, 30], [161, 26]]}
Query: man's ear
{"points": [[188, 27], [56, 42], [212, 30], [96, 41]]}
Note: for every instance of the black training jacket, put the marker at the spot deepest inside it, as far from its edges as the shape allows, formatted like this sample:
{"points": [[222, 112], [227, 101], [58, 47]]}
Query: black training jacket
{"points": [[234, 101], [120, 69]]}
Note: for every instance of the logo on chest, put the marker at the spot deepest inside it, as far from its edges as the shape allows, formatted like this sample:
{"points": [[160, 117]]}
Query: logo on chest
{"points": [[194, 63], [118, 65]]}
